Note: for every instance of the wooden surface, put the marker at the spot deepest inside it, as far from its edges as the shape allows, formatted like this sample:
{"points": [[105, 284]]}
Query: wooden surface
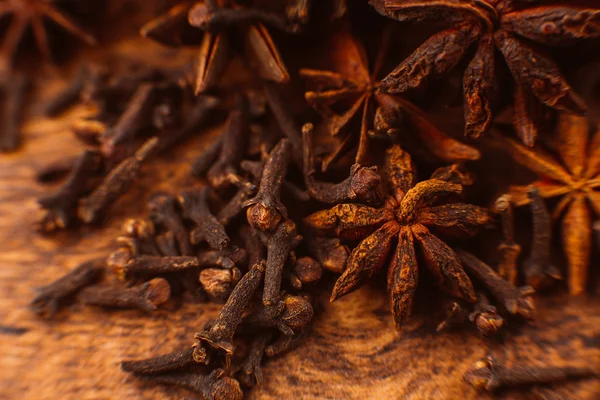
{"points": [[352, 353]]}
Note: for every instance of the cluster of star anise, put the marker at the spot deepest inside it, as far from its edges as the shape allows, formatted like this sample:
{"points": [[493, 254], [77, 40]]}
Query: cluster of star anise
{"points": [[265, 225]]}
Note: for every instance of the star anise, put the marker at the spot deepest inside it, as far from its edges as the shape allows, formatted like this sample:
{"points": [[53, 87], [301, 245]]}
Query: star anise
{"points": [[214, 17], [574, 174], [494, 24], [352, 84], [35, 13], [406, 217]]}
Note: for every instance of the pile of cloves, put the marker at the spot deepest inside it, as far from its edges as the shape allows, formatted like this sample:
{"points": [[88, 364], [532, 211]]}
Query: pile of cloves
{"points": [[249, 230]]}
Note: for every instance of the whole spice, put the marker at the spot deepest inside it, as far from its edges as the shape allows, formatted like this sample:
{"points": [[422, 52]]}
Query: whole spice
{"points": [[173, 361], [147, 296], [194, 203], [49, 298]]}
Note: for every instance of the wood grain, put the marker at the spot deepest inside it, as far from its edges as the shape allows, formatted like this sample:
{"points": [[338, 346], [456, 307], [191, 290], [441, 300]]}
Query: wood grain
{"points": [[353, 351]]}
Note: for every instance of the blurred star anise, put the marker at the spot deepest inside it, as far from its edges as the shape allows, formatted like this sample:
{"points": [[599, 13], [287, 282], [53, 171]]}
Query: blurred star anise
{"points": [[574, 174], [494, 24], [214, 17], [406, 217], [351, 85], [34, 14]]}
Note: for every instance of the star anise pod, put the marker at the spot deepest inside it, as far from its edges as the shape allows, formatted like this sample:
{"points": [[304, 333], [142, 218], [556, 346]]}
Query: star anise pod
{"points": [[514, 32], [215, 17], [574, 174], [34, 14], [406, 217], [351, 83]]}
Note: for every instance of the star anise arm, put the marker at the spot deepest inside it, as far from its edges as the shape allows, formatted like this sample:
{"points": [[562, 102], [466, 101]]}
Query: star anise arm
{"points": [[532, 69], [478, 85], [13, 36], [554, 25], [403, 277], [324, 79], [166, 28], [426, 62], [438, 142], [349, 221], [536, 160], [444, 264], [335, 123], [457, 218], [425, 192], [593, 166], [577, 236], [263, 54], [430, 10], [573, 141], [399, 170], [527, 110], [363, 155], [68, 24], [518, 194], [212, 60], [366, 259], [37, 25]]}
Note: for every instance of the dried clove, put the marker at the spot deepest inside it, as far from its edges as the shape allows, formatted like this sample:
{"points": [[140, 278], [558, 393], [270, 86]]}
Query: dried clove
{"points": [[307, 270], [152, 265], [284, 120], [215, 386], [173, 361], [16, 87], [285, 343], [361, 184], [49, 298], [250, 373], [538, 270], [488, 375], [265, 210], [163, 210], [227, 258], [279, 245], [220, 334], [235, 205], [509, 249], [329, 252], [194, 204], [62, 204], [206, 18], [224, 170], [289, 316], [92, 207], [485, 317], [517, 301], [69, 95], [252, 244], [218, 283], [147, 296]]}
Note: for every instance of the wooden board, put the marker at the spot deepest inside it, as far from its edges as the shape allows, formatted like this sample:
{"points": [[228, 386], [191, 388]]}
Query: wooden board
{"points": [[352, 353]]}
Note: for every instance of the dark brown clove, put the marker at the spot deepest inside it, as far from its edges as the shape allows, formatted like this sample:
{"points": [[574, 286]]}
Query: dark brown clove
{"points": [[220, 334], [173, 361], [250, 373], [224, 170], [167, 245], [153, 265], [209, 155], [285, 343], [117, 182], [218, 283], [163, 211], [329, 252], [485, 317], [279, 245], [235, 205], [252, 243], [132, 119], [307, 270], [228, 258], [538, 270], [61, 206], [194, 204], [361, 185], [69, 95], [289, 316], [215, 386], [517, 301], [265, 210], [509, 249], [142, 230], [16, 87], [49, 298], [146, 297], [488, 375]]}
